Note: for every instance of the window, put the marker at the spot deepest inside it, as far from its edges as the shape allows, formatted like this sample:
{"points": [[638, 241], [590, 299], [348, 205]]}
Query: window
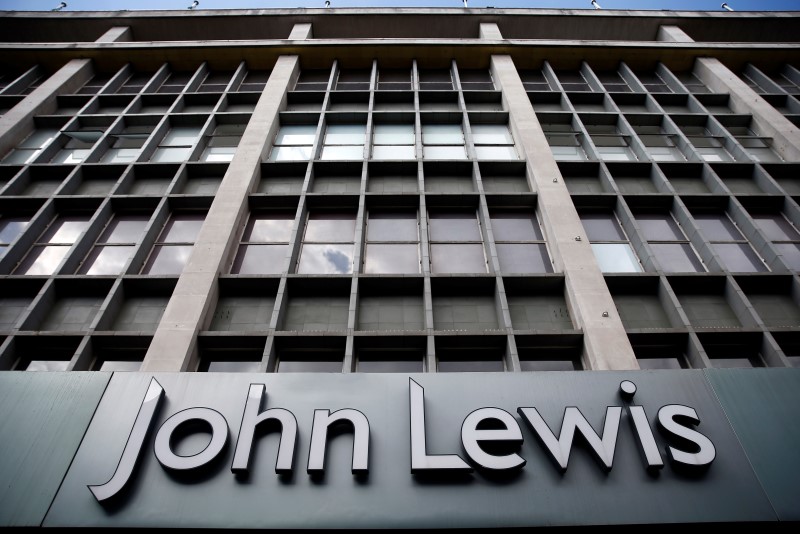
{"points": [[784, 236], [613, 82], [394, 79], [519, 242], [731, 247], [393, 141], [455, 242], [94, 85], [328, 243], [653, 82], [759, 148], [135, 83], [222, 143], [174, 245], [692, 82], [534, 80], [215, 82], [443, 141], [353, 80], [30, 148], [610, 143], [10, 229], [493, 141], [313, 80], [127, 144], [660, 145], [255, 80], [79, 143], [610, 244], [565, 143], [265, 244], [710, 147], [344, 142], [572, 81], [176, 145], [392, 242], [475, 80], [52, 246], [175, 82], [114, 248], [435, 80], [672, 250], [293, 142]]}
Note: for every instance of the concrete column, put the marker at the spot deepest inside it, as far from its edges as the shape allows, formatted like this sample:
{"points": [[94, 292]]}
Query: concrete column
{"points": [[489, 30], [769, 121], [174, 346], [18, 123], [606, 345]]}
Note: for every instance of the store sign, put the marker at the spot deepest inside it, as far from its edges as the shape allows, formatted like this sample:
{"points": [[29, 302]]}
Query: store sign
{"points": [[483, 432]]}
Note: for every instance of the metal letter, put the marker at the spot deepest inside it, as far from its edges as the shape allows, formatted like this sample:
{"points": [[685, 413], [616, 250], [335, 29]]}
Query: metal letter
{"points": [[319, 439], [133, 447], [666, 420], [471, 438], [647, 442], [561, 447], [421, 461], [251, 418], [219, 438]]}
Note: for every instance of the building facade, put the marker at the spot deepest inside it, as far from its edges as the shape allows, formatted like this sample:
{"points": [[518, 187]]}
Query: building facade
{"points": [[527, 219]]}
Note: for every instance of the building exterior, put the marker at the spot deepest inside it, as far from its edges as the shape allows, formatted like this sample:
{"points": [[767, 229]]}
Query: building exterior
{"points": [[225, 232]]}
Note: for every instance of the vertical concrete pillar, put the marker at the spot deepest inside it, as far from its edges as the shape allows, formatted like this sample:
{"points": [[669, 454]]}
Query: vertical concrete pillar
{"points": [[174, 344], [18, 122], [720, 79], [606, 345]]}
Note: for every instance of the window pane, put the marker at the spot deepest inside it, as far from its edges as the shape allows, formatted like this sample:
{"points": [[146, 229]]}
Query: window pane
{"points": [[523, 258], [182, 229], [345, 134], [470, 366], [454, 226], [65, 230], [444, 152], [39, 138], [717, 227], [496, 152], [390, 366], [171, 155], [491, 134], [457, 258], [392, 226], [512, 226], [260, 259], [602, 227], [43, 260], [310, 366], [299, 134], [393, 152], [547, 365], [11, 227], [107, 260], [124, 229], [616, 258], [776, 227], [790, 252], [234, 367], [659, 227], [615, 153], [442, 134], [168, 259], [180, 136], [47, 365], [326, 259], [739, 257], [120, 155], [290, 153], [338, 153], [120, 365], [337, 227], [392, 259], [677, 258], [393, 134], [218, 153], [273, 228]]}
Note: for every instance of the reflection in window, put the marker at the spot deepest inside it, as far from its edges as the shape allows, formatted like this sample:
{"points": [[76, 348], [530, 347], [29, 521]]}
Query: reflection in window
{"points": [[610, 143], [115, 246], [176, 145], [293, 142], [759, 148], [32, 146], [728, 242], [344, 142], [265, 243], [564, 141], [222, 143], [392, 243], [710, 147], [493, 141], [393, 141], [672, 250], [455, 242], [127, 144], [174, 245], [10, 229], [659, 144], [609, 243], [52, 246], [79, 144], [328, 243], [443, 141], [519, 241], [784, 236]]}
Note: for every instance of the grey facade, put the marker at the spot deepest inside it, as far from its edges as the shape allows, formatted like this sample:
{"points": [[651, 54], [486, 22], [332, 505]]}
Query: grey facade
{"points": [[355, 192]]}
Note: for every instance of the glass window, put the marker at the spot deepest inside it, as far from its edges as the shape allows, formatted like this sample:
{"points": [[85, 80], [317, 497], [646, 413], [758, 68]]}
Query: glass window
{"points": [[610, 244], [710, 147], [443, 141], [127, 144], [392, 243], [660, 145], [672, 250], [456, 244], [565, 143], [176, 145], [572, 81], [222, 143], [265, 244], [393, 141], [328, 243], [776, 227], [613, 82], [293, 142], [730, 245], [610, 143], [493, 141], [78, 145], [344, 142], [174, 245], [52, 246], [475, 80], [653, 82], [759, 148], [519, 242], [32, 146], [115, 246], [534, 80], [10, 229], [394, 79], [435, 80]]}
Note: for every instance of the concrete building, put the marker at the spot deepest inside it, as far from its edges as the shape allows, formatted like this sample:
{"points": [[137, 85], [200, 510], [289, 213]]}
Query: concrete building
{"points": [[524, 209]]}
